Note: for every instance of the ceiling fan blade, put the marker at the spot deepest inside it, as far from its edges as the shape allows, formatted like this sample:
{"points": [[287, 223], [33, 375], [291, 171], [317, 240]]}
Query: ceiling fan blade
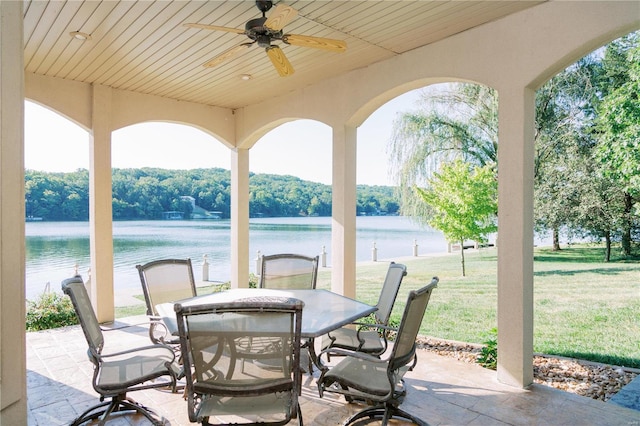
{"points": [[280, 17], [282, 64], [315, 42], [214, 27], [226, 55]]}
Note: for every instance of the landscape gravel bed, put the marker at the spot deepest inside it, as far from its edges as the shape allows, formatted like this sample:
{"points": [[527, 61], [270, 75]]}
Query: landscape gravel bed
{"points": [[593, 380]]}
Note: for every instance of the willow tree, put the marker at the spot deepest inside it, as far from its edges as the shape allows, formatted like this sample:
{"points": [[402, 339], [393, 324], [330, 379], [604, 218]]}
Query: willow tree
{"points": [[456, 121]]}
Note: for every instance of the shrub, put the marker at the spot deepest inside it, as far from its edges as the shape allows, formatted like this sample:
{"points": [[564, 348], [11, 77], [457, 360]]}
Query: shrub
{"points": [[488, 356], [254, 280], [50, 310]]}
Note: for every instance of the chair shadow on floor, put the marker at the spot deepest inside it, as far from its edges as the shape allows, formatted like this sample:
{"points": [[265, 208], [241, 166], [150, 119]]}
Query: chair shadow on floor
{"points": [[454, 400], [54, 403]]}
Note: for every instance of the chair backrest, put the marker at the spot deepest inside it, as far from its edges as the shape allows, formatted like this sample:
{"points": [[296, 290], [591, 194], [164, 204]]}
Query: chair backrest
{"points": [[389, 292], [289, 271], [405, 345], [220, 346], [166, 280], [77, 292]]}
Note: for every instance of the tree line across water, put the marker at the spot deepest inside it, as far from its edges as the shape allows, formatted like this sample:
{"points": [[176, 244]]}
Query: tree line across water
{"points": [[146, 193]]}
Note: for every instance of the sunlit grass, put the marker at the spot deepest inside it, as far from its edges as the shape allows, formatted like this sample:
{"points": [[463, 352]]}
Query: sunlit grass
{"points": [[583, 307]]}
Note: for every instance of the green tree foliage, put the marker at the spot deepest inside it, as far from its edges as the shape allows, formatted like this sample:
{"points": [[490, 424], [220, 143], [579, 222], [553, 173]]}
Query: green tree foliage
{"points": [[463, 201], [563, 149], [143, 194], [57, 196], [618, 127], [376, 200], [576, 185]]}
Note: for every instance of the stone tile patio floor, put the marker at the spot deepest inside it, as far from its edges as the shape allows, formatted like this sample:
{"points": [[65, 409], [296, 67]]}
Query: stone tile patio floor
{"points": [[441, 390]]}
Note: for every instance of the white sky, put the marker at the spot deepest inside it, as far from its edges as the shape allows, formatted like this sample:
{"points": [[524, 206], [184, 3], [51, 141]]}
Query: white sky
{"points": [[301, 148]]}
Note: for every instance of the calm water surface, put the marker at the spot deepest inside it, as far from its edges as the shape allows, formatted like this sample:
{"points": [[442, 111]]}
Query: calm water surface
{"points": [[53, 248]]}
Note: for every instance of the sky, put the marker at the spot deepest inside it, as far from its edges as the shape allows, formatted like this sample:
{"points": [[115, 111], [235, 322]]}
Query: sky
{"points": [[55, 144]]}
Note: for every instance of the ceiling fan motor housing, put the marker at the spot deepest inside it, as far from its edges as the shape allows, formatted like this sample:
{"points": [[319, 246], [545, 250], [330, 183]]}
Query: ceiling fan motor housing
{"points": [[255, 26], [255, 30]]}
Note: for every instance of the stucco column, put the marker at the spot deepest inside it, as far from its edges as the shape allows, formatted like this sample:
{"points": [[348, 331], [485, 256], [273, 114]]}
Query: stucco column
{"points": [[100, 208], [239, 218], [13, 392], [515, 236], [343, 222]]}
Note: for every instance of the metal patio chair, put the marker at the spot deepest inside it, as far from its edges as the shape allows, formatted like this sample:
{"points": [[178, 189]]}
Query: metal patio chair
{"points": [[285, 271], [163, 281], [371, 338], [379, 382], [290, 271], [214, 339], [117, 373]]}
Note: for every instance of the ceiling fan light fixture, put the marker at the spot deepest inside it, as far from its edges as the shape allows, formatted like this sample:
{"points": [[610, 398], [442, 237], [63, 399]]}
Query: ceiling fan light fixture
{"points": [[79, 35], [263, 40]]}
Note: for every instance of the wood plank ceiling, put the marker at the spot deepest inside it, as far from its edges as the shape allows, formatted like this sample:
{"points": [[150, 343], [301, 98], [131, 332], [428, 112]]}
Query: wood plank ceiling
{"points": [[142, 46]]}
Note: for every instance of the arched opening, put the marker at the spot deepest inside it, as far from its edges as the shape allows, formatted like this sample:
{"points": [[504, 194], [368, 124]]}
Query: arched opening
{"points": [[290, 191], [178, 160], [55, 147]]}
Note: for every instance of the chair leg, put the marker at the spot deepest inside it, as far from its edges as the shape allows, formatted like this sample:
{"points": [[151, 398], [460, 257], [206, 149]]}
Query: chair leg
{"points": [[120, 403], [131, 405], [386, 413], [88, 415], [309, 345]]}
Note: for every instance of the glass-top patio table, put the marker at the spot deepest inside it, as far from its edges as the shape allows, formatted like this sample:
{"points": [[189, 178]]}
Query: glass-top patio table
{"points": [[323, 310]]}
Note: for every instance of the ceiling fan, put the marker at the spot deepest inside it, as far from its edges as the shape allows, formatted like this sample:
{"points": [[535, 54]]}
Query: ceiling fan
{"points": [[266, 30]]}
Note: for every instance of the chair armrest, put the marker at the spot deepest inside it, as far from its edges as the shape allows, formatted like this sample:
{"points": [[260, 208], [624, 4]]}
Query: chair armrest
{"points": [[353, 354], [379, 328], [370, 325], [139, 349], [152, 320]]}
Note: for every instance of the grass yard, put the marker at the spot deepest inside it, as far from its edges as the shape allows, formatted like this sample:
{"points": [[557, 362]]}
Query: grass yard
{"points": [[583, 308]]}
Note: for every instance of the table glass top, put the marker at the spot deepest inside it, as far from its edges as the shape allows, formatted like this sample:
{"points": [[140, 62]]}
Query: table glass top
{"points": [[323, 310]]}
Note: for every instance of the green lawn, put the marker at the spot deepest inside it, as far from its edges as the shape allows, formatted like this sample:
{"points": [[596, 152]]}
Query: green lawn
{"points": [[583, 307]]}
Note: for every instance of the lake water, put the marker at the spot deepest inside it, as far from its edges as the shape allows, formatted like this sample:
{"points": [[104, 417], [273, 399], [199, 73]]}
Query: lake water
{"points": [[54, 248]]}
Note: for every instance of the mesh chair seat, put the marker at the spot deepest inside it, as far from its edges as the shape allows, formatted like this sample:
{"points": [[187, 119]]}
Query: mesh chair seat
{"points": [[128, 369], [367, 375]]}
